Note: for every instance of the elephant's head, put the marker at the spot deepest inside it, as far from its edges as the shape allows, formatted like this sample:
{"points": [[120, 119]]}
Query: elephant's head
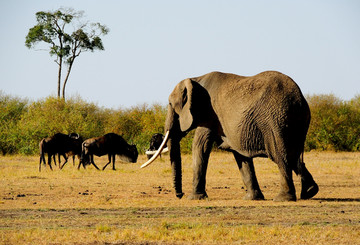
{"points": [[188, 106]]}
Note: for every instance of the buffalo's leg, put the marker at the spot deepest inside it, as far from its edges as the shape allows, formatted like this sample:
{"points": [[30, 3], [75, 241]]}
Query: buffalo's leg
{"points": [[66, 160], [49, 161], [247, 170], [54, 159], [92, 162], [84, 160], [81, 162], [42, 159], [109, 161], [113, 160]]}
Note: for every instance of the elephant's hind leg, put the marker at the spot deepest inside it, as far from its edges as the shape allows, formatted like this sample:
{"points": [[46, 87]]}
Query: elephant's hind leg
{"points": [[287, 187], [247, 170], [309, 188]]}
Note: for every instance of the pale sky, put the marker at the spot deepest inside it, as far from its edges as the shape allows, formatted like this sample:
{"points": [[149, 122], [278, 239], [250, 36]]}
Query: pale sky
{"points": [[152, 45]]}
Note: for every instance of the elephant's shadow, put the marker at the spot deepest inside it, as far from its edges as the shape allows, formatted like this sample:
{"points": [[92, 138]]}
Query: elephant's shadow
{"points": [[337, 199]]}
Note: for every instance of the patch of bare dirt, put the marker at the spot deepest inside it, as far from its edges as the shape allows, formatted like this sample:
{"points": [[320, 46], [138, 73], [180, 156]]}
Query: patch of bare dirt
{"points": [[322, 214]]}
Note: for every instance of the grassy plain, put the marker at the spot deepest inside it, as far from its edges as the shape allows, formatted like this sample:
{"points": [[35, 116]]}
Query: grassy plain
{"points": [[138, 206]]}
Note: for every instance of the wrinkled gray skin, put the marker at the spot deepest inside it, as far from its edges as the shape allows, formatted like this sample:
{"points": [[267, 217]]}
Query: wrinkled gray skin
{"points": [[261, 116]]}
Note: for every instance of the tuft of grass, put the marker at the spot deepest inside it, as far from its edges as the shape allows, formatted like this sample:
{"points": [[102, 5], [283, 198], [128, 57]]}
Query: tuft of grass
{"points": [[103, 228]]}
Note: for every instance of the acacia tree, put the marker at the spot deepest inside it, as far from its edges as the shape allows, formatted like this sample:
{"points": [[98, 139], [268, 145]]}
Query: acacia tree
{"points": [[52, 28]]}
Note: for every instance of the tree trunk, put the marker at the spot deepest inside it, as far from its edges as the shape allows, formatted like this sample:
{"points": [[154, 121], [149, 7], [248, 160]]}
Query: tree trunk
{"points": [[66, 78], [59, 76]]}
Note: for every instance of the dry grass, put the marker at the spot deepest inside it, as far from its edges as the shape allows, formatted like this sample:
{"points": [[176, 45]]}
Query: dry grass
{"points": [[138, 206]]}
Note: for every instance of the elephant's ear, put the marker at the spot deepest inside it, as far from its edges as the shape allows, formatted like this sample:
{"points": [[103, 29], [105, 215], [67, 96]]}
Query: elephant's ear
{"points": [[185, 116]]}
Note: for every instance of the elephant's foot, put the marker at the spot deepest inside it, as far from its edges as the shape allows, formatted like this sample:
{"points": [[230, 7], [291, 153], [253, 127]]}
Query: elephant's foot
{"points": [[309, 191], [198, 196], [255, 195], [285, 197]]}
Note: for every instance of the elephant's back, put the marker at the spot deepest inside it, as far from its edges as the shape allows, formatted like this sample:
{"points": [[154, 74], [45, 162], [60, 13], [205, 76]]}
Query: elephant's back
{"points": [[267, 87], [268, 83], [249, 107], [228, 84]]}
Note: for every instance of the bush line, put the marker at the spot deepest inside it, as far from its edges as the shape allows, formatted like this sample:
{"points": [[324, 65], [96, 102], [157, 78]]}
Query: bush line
{"points": [[335, 124]]}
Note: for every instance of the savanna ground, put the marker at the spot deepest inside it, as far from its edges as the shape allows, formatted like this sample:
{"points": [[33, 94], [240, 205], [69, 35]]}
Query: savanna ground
{"points": [[138, 206]]}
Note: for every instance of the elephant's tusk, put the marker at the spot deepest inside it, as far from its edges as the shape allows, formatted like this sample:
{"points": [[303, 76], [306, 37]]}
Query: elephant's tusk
{"points": [[157, 153]]}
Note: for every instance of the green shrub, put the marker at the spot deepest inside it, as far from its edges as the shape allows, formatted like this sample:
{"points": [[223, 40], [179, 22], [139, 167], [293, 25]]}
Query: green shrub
{"points": [[11, 110], [137, 124], [335, 124], [52, 115]]}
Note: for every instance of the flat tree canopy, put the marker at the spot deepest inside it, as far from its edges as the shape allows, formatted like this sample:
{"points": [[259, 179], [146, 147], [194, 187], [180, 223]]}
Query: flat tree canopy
{"points": [[66, 45]]}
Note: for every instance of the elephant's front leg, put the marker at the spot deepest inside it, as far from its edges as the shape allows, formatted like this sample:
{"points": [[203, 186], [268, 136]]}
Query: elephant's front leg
{"points": [[247, 170], [201, 149]]}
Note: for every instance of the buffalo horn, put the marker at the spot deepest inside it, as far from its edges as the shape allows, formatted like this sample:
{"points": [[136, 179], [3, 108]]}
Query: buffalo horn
{"points": [[153, 152]]}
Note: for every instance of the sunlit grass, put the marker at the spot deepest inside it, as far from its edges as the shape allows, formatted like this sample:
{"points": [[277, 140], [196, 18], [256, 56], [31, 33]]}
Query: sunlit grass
{"points": [[133, 205], [188, 233]]}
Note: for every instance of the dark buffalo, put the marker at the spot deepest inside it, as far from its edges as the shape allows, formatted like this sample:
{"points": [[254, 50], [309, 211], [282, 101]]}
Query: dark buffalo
{"points": [[61, 144], [75, 150], [110, 144], [155, 143]]}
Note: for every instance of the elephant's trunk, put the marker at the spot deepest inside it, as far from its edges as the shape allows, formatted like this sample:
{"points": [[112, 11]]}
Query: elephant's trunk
{"points": [[172, 124], [172, 138], [175, 158]]}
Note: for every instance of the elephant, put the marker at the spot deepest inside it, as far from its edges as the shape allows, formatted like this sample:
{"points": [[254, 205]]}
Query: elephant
{"points": [[265, 115]]}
